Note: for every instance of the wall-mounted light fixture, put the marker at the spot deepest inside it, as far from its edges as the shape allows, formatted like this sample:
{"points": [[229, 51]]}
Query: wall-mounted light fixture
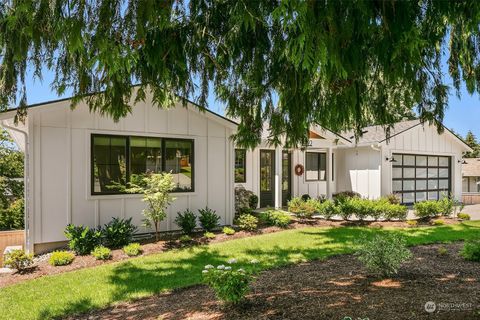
{"points": [[462, 161], [390, 159]]}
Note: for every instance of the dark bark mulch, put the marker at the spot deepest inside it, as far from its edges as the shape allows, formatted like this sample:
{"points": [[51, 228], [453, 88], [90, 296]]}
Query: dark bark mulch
{"points": [[333, 289]]}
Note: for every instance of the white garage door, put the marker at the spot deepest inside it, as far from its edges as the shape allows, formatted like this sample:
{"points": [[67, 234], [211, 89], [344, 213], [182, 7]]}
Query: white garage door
{"points": [[421, 177]]}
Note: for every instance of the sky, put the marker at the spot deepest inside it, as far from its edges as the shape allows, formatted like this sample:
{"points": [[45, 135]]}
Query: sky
{"points": [[462, 114]]}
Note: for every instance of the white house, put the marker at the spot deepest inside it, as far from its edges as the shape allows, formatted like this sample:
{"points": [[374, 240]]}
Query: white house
{"points": [[75, 158]]}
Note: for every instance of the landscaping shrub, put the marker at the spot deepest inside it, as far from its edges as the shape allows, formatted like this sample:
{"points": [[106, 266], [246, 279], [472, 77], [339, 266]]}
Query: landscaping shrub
{"points": [[395, 211], [302, 208], [438, 222], [132, 249], [346, 207], [463, 216], [228, 231], [361, 207], [446, 205], [253, 201], [118, 232], [276, 218], [18, 260], [427, 209], [209, 235], [383, 254], [247, 222], [393, 198], [442, 251], [230, 285], [82, 239], [412, 223], [306, 197], [185, 239], [12, 217], [245, 210], [243, 199], [471, 250], [295, 205], [187, 221], [340, 196], [102, 253], [327, 209], [61, 258], [209, 220]]}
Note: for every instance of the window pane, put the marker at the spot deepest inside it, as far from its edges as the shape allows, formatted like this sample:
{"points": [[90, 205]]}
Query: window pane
{"points": [[432, 161], [408, 197], [443, 173], [109, 164], [312, 166], [145, 157], [397, 172], [421, 172], [178, 161], [323, 166], [421, 161], [240, 174], [409, 172], [398, 159], [408, 185], [397, 185], [421, 185], [433, 195], [443, 161], [443, 184], [432, 184], [420, 196], [408, 160], [432, 172]]}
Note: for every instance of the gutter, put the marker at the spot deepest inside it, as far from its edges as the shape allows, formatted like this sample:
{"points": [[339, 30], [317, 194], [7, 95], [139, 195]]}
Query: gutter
{"points": [[28, 244]]}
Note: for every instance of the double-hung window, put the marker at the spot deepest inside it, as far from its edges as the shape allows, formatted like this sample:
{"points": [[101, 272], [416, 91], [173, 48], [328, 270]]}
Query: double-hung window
{"points": [[240, 165], [117, 161], [315, 166]]}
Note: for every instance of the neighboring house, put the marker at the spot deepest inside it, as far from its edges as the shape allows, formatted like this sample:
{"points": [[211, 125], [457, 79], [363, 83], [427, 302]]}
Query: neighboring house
{"points": [[74, 157], [471, 181]]}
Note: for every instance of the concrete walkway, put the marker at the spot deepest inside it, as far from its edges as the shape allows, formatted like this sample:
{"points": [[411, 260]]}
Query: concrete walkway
{"points": [[473, 210]]}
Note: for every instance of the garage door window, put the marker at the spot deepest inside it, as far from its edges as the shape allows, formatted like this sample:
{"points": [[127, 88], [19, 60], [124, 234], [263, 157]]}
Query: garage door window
{"points": [[419, 177]]}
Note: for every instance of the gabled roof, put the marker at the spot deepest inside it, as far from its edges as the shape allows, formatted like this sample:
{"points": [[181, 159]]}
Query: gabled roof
{"points": [[377, 134], [471, 167]]}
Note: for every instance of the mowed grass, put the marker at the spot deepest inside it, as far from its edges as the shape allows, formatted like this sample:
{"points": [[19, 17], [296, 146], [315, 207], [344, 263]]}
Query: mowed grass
{"points": [[83, 290]]}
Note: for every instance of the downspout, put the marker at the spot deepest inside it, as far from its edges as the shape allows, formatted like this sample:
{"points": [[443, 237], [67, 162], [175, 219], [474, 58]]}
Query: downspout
{"points": [[28, 244]]}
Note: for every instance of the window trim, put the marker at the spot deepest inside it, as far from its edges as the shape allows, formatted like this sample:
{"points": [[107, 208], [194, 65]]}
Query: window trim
{"points": [[319, 166], [244, 176], [127, 162]]}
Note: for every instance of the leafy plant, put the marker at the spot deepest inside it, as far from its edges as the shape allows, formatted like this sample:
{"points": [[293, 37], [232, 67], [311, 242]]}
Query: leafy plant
{"points": [[253, 201], [61, 258], [118, 232], [102, 253], [82, 239], [395, 211], [438, 222], [471, 250], [328, 209], [209, 235], [247, 222], [245, 210], [412, 223], [187, 221], [442, 251], [306, 197], [12, 217], [185, 239], [18, 260], [230, 285], [228, 231], [156, 190], [446, 205], [464, 216], [208, 218], [383, 254], [276, 218], [392, 198], [303, 208], [427, 209], [132, 249], [342, 195]]}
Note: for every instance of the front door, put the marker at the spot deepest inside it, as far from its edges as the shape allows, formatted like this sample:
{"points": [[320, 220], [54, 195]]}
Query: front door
{"points": [[286, 177], [267, 178]]}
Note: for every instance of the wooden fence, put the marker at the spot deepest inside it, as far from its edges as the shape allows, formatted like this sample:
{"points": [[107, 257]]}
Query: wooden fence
{"points": [[10, 238], [471, 198]]}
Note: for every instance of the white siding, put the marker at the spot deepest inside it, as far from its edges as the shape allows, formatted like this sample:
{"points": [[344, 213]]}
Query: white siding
{"points": [[61, 171]]}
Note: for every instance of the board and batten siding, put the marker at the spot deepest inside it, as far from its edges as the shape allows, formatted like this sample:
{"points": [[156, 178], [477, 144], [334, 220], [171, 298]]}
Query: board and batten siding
{"points": [[60, 141], [424, 140]]}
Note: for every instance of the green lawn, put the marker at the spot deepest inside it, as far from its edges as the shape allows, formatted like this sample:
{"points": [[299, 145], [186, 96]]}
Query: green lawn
{"points": [[82, 290]]}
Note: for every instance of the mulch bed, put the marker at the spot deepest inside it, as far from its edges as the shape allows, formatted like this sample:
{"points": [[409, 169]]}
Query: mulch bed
{"points": [[42, 267], [332, 289]]}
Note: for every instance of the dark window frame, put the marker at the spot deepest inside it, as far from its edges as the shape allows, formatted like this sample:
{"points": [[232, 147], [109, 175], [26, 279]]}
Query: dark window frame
{"points": [[319, 166], [426, 179], [244, 163], [127, 161]]}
